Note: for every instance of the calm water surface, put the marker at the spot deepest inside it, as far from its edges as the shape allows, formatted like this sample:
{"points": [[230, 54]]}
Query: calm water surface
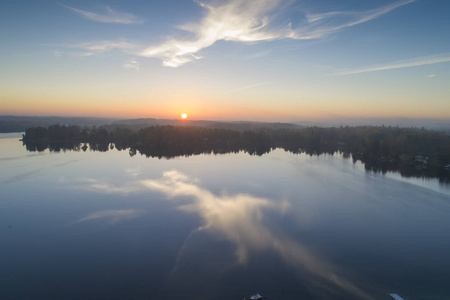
{"points": [[92, 225]]}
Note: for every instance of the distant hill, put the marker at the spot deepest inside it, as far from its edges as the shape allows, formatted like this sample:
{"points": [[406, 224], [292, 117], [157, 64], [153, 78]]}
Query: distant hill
{"points": [[430, 124], [136, 124], [21, 123]]}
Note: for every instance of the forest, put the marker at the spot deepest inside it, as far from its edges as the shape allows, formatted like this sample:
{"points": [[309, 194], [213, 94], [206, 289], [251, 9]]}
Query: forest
{"points": [[410, 151]]}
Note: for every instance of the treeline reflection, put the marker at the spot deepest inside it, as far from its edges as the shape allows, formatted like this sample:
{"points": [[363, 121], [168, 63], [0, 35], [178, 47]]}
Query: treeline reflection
{"points": [[412, 152]]}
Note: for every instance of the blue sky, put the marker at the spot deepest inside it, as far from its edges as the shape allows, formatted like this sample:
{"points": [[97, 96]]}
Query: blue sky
{"points": [[260, 60]]}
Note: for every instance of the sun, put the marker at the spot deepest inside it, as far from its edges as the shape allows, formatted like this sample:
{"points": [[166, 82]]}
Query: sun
{"points": [[183, 115]]}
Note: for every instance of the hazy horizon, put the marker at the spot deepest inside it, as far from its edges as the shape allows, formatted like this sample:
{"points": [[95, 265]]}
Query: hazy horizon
{"points": [[436, 124]]}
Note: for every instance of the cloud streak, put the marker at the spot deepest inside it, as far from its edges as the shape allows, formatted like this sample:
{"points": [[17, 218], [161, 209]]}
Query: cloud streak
{"points": [[255, 21], [97, 47], [110, 16], [112, 215], [103, 187], [338, 20], [415, 62], [131, 64], [33, 173], [248, 87]]}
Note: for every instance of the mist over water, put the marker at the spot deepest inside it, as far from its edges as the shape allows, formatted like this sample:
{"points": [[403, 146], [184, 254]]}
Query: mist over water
{"points": [[104, 225]]}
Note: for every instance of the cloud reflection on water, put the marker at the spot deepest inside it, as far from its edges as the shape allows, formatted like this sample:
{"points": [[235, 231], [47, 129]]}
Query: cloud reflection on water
{"points": [[113, 215], [240, 219], [35, 172], [95, 185]]}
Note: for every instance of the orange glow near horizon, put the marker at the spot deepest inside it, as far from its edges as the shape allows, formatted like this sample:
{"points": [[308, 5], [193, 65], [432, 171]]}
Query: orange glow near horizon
{"points": [[221, 110], [225, 114]]}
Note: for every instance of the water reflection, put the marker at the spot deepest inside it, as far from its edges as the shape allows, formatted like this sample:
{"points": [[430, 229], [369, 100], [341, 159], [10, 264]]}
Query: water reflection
{"points": [[35, 172], [240, 219], [389, 231], [99, 186], [112, 215], [381, 149]]}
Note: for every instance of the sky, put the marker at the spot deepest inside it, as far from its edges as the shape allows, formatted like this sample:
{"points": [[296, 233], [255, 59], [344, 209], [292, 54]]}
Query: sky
{"points": [[268, 60]]}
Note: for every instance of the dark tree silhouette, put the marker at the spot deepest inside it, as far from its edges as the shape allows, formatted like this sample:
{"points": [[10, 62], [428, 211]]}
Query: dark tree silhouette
{"points": [[412, 152]]}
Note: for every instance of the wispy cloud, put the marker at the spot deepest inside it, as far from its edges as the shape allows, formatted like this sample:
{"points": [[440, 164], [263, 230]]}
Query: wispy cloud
{"points": [[326, 23], [112, 215], [258, 54], [431, 75], [248, 87], [133, 172], [97, 47], [234, 20], [110, 16], [58, 53], [131, 64], [415, 62], [254, 21]]}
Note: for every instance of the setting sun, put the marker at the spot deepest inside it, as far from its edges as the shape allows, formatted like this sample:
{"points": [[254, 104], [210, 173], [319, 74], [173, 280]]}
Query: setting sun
{"points": [[183, 115]]}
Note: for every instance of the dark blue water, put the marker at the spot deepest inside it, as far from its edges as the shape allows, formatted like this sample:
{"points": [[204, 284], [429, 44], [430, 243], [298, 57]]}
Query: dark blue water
{"points": [[91, 225]]}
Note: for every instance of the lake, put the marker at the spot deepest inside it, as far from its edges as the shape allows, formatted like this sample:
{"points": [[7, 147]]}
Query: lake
{"points": [[105, 225]]}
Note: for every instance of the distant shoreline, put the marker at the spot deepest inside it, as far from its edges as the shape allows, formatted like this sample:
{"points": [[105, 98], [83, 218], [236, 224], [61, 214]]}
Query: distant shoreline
{"points": [[12, 123]]}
